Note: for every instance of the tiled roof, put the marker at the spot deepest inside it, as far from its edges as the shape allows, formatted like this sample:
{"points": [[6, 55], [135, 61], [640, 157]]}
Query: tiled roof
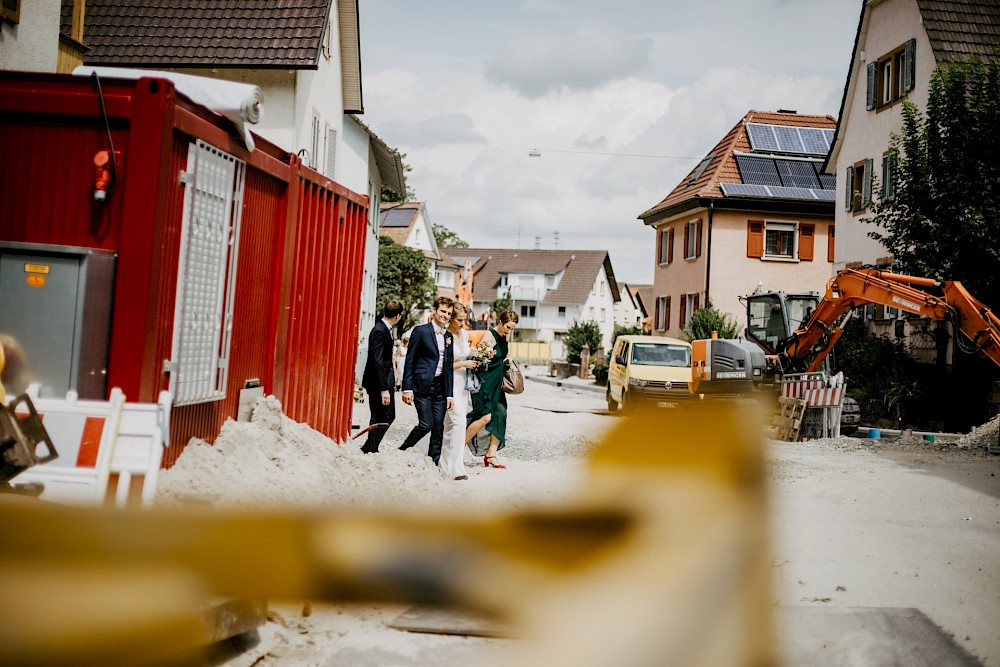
{"points": [[201, 33], [722, 168], [642, 294], [581, 268], [962, 28]]}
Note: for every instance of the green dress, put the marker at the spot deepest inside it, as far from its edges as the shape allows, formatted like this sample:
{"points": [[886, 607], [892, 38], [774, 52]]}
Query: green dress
{"points": [[490, 399]]}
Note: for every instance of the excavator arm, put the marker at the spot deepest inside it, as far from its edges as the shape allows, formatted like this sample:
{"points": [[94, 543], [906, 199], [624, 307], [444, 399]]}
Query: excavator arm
{"points": [[808, 346]]}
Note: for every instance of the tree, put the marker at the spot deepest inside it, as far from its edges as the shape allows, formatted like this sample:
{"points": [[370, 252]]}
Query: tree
{"points": [[404, 274], [619, 330], [706, 320], [445, 238], [390, 195], [505, 302], [941, 217], [580, 334]]}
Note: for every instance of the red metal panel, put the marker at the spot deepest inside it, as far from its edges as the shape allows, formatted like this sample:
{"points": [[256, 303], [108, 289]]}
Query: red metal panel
{"points": [[298, 288]]}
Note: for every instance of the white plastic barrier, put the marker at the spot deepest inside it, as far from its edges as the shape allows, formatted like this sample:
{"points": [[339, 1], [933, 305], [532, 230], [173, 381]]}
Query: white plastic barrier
{"points": [[83, 433], [142, 436], [96, 440]]}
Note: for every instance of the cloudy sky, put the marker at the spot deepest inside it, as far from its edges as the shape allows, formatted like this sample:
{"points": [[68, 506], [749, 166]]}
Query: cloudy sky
{"points": [[622, 99]]}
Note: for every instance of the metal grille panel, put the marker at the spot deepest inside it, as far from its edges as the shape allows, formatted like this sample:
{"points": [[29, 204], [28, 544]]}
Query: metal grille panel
{"points": [[203, 314], [757, 171]]}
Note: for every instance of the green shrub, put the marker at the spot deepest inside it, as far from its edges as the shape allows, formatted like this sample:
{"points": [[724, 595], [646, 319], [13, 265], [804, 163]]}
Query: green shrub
{"points": [[580, 334], [706, 320]]}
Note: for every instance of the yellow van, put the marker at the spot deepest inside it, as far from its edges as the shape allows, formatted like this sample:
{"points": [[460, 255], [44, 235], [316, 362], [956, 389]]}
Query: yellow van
{"points": [[649, 369]]}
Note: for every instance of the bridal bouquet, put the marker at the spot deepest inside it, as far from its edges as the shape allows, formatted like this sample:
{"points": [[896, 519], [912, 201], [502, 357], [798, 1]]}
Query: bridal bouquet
{"points": [[482, 353]]}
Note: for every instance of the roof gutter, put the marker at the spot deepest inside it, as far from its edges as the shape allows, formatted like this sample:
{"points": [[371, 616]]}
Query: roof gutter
{"points": [[708, 258]]}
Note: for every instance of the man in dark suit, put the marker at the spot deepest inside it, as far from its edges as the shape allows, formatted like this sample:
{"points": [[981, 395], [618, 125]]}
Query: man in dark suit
{"points": [[378, 379], [428, 376]]}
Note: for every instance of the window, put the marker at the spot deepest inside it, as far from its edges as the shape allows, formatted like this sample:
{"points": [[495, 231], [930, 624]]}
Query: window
{"points": [[891, 77], [326, 41], [889, 176], [666, 254], [206, 275], [700, 169], [662, 313], [781, 240], [604, 314], [689, 304], [692, 239], [858, 186], [527, 311], [503, 280], [550, 281], [591, 313], [601, 291], [562, 311]]}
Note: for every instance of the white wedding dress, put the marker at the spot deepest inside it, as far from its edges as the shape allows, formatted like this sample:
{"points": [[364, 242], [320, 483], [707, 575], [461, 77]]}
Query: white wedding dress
{"points": [[453, 448]]}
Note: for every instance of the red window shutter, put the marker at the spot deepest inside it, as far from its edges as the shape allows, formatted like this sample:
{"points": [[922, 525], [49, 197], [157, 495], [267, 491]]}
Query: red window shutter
{"points": [[697, 239], [807, 235], [656, 314], [670, 246], [830, 242], [696, 297], [755, 238], [666, 320], [687, 230], [660, 240], [680, 322]]}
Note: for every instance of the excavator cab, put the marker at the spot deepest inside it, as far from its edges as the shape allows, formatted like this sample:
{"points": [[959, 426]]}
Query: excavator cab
{"points": [[774, 316]]}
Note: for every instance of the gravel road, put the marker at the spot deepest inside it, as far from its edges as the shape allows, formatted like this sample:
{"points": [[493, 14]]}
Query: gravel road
{"points": [[855, 524]]}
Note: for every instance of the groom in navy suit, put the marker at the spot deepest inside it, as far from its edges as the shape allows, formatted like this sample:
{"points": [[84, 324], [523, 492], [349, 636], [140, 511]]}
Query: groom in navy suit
{"points": [[428, 376]]}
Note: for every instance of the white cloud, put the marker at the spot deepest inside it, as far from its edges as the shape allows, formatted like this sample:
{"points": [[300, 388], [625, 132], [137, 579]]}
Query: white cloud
{"points": [[593, 54]]}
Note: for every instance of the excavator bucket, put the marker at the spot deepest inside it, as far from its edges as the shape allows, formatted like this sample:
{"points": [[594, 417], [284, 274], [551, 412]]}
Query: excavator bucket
{"points": [[24, 441]]}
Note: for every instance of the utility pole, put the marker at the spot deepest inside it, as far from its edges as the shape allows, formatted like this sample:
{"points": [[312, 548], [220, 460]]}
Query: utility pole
{"points": [[555, 238], [538, 242]]}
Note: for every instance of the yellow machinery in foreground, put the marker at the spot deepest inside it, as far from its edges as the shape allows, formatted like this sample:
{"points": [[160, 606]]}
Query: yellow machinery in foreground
{"points": [[660, 559]]}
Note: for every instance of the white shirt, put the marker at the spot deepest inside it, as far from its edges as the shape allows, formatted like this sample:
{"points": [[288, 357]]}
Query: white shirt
{"points": [[439, 334]]}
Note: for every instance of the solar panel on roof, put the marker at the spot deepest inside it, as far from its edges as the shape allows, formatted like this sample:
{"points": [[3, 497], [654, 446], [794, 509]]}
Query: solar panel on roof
{"points": [[761, 137], [396, 217], [776, 192], [813, 140], [797, 174], [757, 170], [793, 193], [788, 139], [828, 182], [745, 189]]}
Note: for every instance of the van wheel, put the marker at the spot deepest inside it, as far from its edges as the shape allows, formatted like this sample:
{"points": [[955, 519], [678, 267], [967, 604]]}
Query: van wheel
{"points": [[626, 403], [612, 404]]}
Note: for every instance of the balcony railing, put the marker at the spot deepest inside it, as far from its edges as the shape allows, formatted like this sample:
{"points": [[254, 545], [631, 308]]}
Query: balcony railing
{"points": [[521, 293]]}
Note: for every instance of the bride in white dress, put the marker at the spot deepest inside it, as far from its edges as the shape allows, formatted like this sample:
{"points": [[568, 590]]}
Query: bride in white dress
{"points": [[453, 448]]}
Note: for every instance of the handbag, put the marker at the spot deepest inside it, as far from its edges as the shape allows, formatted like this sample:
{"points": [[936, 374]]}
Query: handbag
{"points": [[472, 382], [513, 381]]}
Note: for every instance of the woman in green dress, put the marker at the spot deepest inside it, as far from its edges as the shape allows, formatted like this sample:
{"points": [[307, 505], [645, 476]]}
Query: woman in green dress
{"points": [[489, 405]]}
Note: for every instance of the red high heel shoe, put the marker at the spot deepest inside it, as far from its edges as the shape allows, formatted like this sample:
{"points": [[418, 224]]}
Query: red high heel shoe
{"points": [[492, 464]]}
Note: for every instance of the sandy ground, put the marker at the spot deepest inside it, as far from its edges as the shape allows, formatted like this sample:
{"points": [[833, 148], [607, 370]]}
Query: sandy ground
{"points": [[855, 523]]}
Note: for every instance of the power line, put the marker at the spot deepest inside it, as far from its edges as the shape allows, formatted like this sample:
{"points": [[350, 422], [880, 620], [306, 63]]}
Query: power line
{"points": [[480, 140]]}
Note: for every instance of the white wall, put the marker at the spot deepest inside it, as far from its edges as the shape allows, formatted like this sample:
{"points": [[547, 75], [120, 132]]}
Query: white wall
{"points": [[601, 303], [866, 133], [32, 45]]}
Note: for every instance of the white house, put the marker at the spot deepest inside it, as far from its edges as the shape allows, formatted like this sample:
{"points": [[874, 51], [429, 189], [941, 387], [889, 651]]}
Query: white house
{"points": [[310, 78], [629, 312], [897, 47], [549, 289]]}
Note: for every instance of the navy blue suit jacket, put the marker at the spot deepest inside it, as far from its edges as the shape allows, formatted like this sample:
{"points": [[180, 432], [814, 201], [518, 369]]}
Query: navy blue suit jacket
{"points": [[422, 358]]}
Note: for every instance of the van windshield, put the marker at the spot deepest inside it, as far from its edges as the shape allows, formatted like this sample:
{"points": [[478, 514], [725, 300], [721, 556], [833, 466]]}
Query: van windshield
{"points": [[653, 354]]}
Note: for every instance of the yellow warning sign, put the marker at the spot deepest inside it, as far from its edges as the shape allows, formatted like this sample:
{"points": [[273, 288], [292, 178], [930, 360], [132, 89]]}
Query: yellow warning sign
{"points": [[35, 280], [36, 268]]}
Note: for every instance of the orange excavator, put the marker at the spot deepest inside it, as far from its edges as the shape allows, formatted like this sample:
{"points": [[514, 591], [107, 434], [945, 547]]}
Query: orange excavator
{"points": [[818, 329]]}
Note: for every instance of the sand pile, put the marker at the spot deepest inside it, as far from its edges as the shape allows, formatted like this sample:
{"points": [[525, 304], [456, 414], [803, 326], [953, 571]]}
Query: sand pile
{"points": [[982, 436], [273, 460]]}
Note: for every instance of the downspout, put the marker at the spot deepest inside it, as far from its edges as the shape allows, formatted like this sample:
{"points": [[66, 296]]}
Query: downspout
{"points": [[708, 251]]}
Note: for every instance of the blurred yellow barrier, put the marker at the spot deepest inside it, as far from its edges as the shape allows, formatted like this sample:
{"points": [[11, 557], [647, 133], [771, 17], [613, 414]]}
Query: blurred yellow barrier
{"points": [[660, 559]]}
